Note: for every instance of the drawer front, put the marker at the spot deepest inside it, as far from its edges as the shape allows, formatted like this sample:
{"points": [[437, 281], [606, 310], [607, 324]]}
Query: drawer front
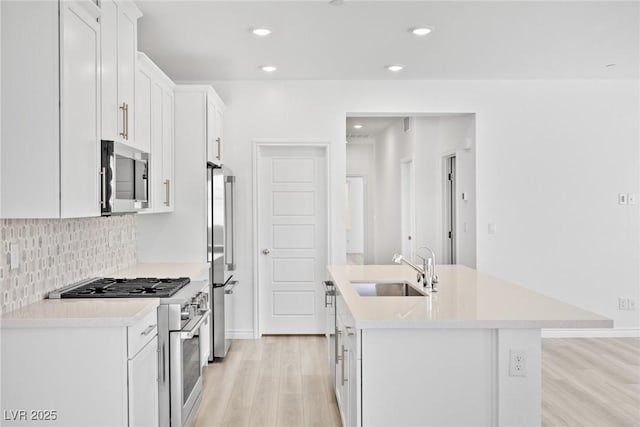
{"points": [[141, 333]]}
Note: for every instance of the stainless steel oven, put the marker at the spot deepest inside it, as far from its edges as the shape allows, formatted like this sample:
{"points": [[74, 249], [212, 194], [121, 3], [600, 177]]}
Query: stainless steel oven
{"points": [[187, 331]]}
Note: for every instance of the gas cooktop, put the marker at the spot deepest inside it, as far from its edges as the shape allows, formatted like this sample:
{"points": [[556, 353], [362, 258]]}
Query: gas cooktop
{"points": [[126, 288]]}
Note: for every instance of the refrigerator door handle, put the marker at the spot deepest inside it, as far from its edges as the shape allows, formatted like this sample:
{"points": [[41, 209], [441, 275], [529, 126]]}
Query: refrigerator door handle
{"points": [[231, 222]]}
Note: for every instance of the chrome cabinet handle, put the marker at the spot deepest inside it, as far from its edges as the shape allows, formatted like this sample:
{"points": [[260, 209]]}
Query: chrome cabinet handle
{"points": [[164, 365], [219, 141], [344, 350], [123, 107], [266, 251], [126, 108], [167, 196], [338, 333], [103, 174], [148, 330]]}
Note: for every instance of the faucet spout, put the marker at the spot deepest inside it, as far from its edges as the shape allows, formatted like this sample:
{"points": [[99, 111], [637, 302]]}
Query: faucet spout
{"points": [[397, 258]]}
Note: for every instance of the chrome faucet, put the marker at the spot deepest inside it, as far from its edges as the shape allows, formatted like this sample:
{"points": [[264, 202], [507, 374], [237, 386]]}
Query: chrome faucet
{"points": [[429, 267], [422, 272]]}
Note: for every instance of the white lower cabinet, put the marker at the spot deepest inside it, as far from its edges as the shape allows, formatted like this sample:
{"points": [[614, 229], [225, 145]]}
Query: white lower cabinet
{"points": [[143, 386], [348, 367], [99, 376]]}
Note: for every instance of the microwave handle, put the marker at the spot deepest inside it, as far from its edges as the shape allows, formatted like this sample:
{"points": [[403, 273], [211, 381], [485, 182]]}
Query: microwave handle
{"points": [[230, 235], [103, 175]]}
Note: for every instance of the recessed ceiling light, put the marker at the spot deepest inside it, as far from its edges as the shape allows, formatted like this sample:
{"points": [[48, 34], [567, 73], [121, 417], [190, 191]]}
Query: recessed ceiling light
{"points": [[395, 68], [357, 126], [268, 68], [261, 32], [421, 31]]}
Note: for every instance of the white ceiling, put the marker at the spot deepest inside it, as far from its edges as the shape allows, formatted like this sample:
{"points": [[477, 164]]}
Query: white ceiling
{"points": [[211, 40], [371, 126]]}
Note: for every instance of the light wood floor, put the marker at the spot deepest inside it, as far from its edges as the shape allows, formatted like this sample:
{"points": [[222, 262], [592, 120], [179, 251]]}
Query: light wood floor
{"points": [[591, 382], [275, 381], [284, 381]]}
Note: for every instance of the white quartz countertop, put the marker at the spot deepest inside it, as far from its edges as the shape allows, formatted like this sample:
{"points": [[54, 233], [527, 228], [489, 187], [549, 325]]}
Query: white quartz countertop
{"points": [[194, 271], [466, 298], [61, 313]]}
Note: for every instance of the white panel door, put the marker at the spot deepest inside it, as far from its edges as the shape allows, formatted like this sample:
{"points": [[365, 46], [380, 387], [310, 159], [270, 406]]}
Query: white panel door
{"points": [[292, 238]]}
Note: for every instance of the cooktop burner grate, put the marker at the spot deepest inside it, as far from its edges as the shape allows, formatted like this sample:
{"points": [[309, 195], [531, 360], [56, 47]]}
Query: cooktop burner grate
{"points": [[127, 288]]}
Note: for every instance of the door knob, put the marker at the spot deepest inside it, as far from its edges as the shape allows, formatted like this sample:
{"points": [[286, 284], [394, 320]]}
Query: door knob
{"points": [[266, 251]]}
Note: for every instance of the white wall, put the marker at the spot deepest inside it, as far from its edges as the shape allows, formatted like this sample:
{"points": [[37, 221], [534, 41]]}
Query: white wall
{"points": [[354, 215], [437, 137], [551, 158], [391, 146]]}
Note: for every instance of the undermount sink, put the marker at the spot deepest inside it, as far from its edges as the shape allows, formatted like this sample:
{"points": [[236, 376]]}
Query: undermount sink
{"points": [[386, 289]]}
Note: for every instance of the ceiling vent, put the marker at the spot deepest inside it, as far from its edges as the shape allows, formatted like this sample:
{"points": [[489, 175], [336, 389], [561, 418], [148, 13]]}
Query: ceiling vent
{"points": [[406, 123]]}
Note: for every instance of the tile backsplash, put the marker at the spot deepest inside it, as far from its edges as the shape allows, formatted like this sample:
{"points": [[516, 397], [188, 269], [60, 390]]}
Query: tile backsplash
{"points": [[54, 253]]}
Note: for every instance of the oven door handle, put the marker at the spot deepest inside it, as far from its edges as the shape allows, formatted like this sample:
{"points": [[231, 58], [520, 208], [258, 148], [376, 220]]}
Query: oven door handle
{"points": [[187, 335]]}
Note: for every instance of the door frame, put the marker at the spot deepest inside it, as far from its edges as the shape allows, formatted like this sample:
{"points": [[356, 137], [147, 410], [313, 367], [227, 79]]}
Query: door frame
{"points": [[258, 145], [444, 194]]}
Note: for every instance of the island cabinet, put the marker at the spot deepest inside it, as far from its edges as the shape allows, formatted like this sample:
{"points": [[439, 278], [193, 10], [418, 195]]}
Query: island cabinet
{"points": [[154, 130], [119, 24], [467, 355], [348, 366], [80, 363], [50, 109]]}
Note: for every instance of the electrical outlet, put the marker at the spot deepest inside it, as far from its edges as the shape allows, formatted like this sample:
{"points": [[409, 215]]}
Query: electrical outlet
{"points": [[623, 304], [622, 198], [517, 363], [631, 304]]}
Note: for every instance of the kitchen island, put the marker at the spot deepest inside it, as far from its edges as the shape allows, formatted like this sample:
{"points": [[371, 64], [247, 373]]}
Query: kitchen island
{"points": [[467, 355]]}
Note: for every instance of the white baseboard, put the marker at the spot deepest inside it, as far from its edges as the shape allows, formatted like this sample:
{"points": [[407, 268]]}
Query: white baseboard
{"points": [[240, 334], [591, 333]]}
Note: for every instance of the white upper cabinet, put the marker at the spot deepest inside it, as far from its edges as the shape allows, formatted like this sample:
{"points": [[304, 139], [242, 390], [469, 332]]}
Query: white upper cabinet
{"points": [[215, 143], [154, 131], [50, 110], [119, 45]]}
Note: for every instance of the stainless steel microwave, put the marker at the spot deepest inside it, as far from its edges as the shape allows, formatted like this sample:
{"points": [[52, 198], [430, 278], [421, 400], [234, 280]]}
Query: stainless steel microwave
{"points": [[125, 183]]}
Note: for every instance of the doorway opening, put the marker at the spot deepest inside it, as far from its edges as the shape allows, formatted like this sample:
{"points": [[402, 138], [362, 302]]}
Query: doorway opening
{"points": [[410, 202]]}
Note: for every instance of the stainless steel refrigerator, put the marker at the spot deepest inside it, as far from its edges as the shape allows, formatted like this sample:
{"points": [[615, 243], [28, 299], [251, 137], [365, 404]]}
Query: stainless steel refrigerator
{"points": [[220, 252]]}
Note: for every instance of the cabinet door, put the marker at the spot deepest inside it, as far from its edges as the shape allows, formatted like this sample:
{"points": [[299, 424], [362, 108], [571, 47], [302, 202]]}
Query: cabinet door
{"points": [[167, 149], [144, 105], [126, 74], [109, 82], [80, 109], [213, 145], [352, 375], [143, 386], [219, 137], [157, 186]]}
